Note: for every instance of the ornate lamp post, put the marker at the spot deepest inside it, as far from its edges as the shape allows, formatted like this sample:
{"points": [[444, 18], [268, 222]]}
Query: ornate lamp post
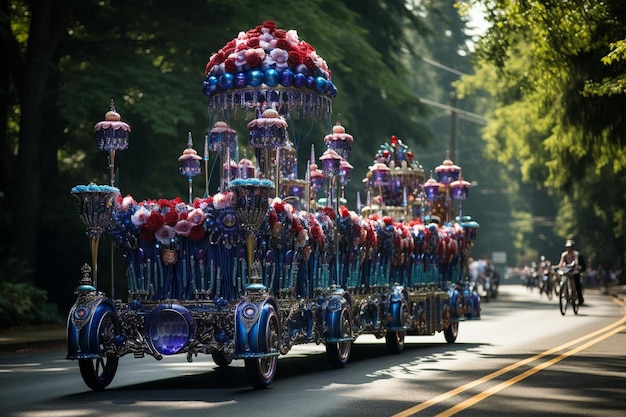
{"points": [[345, 168], [447, 173], [460, 191], [331, 165], [95, 206], [431, 189], [268, 132], [246, 169], [380, 176], [111, 136], [222, 139], [250, 201], [190, 165], [339, 141], [205, 158], [317, 179]]}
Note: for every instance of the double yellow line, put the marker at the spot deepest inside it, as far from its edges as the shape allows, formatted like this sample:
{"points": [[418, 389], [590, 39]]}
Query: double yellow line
{"points": [[596, 337]]}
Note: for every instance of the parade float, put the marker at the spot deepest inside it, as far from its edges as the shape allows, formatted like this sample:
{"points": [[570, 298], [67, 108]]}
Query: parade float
{"points": [[271, 260]]}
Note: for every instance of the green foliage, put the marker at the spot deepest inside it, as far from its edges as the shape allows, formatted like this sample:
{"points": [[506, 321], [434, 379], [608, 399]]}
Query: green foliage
{"points": [[555, 75], [21, 302], [25, 304]]}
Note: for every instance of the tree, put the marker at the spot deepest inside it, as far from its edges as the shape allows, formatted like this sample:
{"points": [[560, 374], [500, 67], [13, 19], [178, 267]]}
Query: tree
{"points": [[557, 109]]}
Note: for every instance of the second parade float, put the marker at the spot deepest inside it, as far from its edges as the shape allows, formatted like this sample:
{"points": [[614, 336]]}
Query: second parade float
{"points": [[272, 259]]}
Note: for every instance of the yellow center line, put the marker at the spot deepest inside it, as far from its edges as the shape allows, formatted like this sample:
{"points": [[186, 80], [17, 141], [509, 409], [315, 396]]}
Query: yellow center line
{"points": [[497, 388], [452, 393]]}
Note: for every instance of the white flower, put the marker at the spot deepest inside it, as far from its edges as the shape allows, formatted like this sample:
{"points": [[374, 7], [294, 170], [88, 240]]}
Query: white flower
{"points": [[222, 200], [126, 203], [279, 57], [181, 208], [292, 36], [140, 217]]}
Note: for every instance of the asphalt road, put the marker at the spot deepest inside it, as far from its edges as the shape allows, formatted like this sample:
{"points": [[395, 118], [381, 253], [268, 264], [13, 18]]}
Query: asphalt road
{"points": [[522, 359]]}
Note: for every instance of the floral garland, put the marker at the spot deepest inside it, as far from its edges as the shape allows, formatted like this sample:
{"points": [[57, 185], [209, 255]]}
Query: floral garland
{"points": [[166, 222], [162, 220]]}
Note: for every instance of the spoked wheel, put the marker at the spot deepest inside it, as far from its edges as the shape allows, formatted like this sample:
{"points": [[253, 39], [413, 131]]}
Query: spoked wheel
{"points": [[222, 359], [395, 341], [563, 299], [261, 371], [98, 373], [339, 353], [575, 303], [451, 332]]}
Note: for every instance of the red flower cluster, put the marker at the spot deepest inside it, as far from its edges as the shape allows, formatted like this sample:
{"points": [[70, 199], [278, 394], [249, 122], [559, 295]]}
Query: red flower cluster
{"points": [[253, 45], [330, 212], [164, 219], [344, 212], [317, 235]]}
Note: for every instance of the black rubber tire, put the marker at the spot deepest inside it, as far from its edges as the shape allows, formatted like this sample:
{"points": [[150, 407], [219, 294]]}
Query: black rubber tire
{"points": [[451, 332], [261, 371], [98, 373], [563, 299], [395, 341], [221, 359]]}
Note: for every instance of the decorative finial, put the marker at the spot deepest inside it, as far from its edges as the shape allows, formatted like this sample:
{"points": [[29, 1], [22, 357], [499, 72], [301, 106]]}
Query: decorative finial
{"points": [[189, 141], [86, 272]]}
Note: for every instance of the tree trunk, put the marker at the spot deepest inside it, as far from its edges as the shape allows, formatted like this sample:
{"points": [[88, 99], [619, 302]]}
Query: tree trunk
{"points": [[47, 26]]}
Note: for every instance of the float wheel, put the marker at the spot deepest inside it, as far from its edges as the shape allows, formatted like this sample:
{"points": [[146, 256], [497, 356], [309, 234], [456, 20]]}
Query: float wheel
{"points": [[98, 373]]}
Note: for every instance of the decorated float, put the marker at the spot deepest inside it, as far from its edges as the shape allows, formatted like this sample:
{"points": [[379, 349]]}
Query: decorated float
{"points": [[271, 260]]}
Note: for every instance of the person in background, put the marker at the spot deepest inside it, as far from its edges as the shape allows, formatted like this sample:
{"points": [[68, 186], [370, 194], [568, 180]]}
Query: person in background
{"points": [[573, 258]]}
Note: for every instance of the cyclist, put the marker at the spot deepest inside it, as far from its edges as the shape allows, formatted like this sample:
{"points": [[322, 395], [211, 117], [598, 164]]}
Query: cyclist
{"points": [[573, 258]]}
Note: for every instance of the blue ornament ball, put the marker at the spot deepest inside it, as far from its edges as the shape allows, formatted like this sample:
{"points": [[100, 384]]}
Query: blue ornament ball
{"points": [[271, 77], [331, 90], [212, 83], [227, 81], [287, 78], [320, 84], [240, 80], [299, 80], [254, 78], [310, 82]]}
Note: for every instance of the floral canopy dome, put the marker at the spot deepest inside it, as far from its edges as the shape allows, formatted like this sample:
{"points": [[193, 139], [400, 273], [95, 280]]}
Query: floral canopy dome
{"points": [[269, 65]]}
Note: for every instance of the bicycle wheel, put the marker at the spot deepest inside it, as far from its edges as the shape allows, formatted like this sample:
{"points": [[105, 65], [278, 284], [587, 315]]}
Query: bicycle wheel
{"points": [[574, 300], [563, 298]]}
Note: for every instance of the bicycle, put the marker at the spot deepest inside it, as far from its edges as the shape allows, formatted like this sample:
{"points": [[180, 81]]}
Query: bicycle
{"points": [[567, 293], [546, 282]]}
